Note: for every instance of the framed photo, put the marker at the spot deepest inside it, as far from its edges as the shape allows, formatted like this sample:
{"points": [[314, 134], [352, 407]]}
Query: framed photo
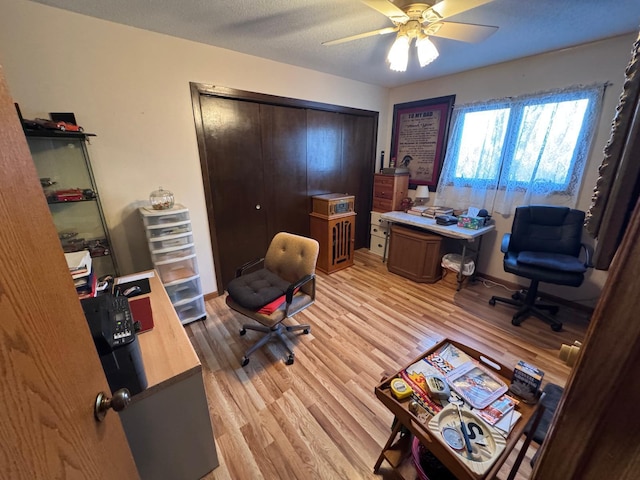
{"points": [[419, 138]]}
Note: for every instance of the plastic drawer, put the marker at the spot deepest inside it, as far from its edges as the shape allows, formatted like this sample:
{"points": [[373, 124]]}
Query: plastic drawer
{"points": [[184, 289], [174, 253], [170, 241], [172, 270], [164, 219], [169, 229], [190, 310]]}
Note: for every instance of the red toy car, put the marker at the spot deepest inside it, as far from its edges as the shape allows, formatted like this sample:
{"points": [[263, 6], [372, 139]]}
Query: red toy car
{"points": [[50, 124]]}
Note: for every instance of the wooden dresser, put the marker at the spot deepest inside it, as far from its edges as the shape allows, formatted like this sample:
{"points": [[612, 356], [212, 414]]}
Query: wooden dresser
{"points": [[388, 191]]}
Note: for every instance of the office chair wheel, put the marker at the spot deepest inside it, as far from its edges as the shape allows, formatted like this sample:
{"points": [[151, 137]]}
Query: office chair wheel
{"points": [[242, 332], [289, 360], [245, 361], [306, 331], [492, 301], [556, 327], [516, 321]]}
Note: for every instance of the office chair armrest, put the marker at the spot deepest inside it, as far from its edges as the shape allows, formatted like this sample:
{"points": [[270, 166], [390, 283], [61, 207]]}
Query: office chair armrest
{"points": [[504, 246], [293, 288], [588, 253], [240, 271]]}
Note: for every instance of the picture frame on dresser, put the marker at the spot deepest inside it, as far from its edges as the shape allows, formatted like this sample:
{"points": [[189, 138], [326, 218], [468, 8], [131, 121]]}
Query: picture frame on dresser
{"points": [[420, 131]]}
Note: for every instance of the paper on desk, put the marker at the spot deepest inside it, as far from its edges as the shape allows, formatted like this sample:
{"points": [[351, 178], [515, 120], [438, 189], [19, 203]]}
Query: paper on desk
{"points": [[134, 277], [506, 423], [473, 211]]}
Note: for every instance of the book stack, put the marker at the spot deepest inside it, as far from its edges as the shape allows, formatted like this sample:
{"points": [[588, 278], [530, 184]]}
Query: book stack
{"points": [[418, 209], [433, 212], [81, 270]]}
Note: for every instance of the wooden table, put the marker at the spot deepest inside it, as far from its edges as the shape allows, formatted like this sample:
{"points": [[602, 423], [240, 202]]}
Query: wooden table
{"points": [[168, 425], [395, 452], [471, 239]]}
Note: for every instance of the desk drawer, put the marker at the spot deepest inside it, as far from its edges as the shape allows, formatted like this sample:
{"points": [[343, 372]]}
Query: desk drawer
{"points": [[376, 219], [379, 230], [377, 244]]}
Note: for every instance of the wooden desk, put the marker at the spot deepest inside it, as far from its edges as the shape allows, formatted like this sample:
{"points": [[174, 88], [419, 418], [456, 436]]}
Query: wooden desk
{"points": [[467, 236], [394, 453], [168, 425]]}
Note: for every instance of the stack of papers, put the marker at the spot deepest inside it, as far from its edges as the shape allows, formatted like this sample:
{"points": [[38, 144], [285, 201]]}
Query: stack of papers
{"points": [[79, 263]]}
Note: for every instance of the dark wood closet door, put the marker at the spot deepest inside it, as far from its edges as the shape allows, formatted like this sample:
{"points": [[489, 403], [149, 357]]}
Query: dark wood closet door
{"points": [[284, 151], [324, 159], [358, 154], [275, 153], [233, 142]]}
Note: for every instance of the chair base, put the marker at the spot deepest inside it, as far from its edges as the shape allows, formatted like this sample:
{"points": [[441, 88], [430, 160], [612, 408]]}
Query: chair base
{"points": [[528, 306], [277, 331]]}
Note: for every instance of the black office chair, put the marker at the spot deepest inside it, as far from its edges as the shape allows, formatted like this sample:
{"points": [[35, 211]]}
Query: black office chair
{"points": [[544, 245]]}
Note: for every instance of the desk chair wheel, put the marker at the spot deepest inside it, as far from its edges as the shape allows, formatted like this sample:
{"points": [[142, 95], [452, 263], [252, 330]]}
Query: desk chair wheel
{"points": [[306, 331], [243, 332], [556, 327], [245, 361], [289, 360], [492, 301], [517, 321]]}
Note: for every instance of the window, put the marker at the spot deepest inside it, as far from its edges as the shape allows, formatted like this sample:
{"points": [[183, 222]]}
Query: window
{"points": [[530, 149]]}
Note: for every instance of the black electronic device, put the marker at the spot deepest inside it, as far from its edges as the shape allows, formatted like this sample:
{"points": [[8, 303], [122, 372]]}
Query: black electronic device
{"points": [[113, 331], [446, 219]]}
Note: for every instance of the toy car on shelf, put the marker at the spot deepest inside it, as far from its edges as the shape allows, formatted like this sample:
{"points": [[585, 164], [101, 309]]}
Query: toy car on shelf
{"points": [[71, 195], [52, 125]]}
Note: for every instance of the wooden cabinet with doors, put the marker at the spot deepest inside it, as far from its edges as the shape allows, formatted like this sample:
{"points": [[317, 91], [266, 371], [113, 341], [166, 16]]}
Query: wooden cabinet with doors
{"points": [[388, 191], [336, 236]]}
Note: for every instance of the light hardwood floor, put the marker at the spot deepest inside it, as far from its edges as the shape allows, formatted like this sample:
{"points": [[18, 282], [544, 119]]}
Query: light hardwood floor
{"points": [[319, 418]]}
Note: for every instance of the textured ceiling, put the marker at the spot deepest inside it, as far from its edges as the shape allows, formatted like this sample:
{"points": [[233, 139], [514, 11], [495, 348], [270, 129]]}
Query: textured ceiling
{"points": [[291, 31]]}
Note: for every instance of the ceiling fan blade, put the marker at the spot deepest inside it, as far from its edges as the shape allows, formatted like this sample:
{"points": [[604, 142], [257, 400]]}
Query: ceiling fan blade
{"points": [[448, 8], [388, 9], [464, 32], [382, 31]]}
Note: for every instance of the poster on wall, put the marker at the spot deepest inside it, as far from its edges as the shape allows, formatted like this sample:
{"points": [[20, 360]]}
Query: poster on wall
{"points": [[419, 137]]}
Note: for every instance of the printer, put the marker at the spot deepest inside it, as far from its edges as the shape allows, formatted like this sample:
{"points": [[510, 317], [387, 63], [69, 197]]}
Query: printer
{"points": [[113, 331]]}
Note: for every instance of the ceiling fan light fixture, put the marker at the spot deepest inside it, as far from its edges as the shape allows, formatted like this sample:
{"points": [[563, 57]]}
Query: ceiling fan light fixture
{"points": [[399, 54], [427, 51]]}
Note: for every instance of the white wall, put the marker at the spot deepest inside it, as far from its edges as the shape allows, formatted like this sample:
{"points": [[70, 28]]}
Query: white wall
{"points": [[603, 61], [131, 88]]}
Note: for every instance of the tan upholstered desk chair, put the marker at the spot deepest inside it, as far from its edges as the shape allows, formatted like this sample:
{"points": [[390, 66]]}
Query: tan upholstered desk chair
{"points": [[283, 287]]}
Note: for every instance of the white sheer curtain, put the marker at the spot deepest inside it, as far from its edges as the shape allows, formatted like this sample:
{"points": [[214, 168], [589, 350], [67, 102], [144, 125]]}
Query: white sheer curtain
{"points": [[523, 150]]}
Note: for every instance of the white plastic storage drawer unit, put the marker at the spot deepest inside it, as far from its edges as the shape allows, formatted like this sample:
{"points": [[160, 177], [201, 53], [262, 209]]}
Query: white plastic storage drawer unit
{"points": [[173, 253]]}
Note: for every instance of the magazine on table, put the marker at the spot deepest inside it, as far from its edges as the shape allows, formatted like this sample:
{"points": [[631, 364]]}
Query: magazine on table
{"points": [[498, 409]]}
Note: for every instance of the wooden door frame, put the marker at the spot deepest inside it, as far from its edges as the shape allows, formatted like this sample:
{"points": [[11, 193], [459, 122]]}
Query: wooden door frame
{"points": [[199, 89], [594, 431]]}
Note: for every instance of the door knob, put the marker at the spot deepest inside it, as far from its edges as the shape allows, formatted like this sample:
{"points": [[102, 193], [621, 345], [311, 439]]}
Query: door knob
{"points": [[258, 207], [121, 398]]}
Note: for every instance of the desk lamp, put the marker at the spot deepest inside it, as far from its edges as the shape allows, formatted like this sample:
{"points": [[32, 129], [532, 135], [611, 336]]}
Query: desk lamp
{"points": [[422, 195]]}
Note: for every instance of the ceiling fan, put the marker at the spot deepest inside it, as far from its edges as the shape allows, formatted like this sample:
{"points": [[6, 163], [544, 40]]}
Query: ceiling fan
{"points": [[421, 20]]}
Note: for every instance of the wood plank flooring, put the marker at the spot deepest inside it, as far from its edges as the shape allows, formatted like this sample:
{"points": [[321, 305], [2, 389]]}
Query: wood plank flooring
{"points": [[319, 418]]}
